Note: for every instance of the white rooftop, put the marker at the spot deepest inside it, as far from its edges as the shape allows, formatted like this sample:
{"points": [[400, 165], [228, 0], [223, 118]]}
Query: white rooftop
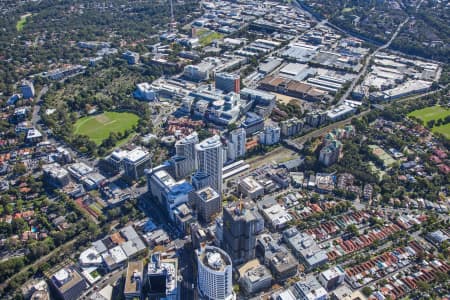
{"points": [[90, 257], [61, 276], [209, 143], [136, 154]]}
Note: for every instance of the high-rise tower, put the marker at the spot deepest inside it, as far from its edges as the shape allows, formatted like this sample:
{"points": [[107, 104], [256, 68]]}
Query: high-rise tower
{"points": [[209, 154], [215, 281], [241, 224], [184, 160]]}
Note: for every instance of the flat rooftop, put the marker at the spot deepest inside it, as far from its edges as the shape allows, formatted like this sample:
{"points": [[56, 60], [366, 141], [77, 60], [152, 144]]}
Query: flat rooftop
{"points": [[165, 178], [66, 278], [133, 281], [207, 193], [214, 258], [136, 155]]}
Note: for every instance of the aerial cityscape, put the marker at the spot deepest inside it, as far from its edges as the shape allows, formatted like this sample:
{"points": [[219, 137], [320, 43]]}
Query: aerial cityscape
{"points": [[224, 149]]}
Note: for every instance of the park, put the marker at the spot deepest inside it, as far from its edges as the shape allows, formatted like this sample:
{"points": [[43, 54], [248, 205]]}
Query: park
{"points": [[432, 116], [98, 127]]}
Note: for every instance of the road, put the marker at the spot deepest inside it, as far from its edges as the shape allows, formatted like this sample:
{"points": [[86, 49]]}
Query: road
{"points": [[36, 117], [6, 255], [38, 262], [386, 276], [369, 58], [109, 279], [367, 62], [283, 152]]}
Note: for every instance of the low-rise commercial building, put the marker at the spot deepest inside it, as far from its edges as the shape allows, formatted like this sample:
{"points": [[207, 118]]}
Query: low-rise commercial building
{"points": [[276, 216], [254, 277], [305, 248], [134, 280], [55, 175], [251, 188], [332, 278], [310, 290]]}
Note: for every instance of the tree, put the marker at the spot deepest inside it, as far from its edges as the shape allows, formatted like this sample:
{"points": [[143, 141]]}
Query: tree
{"points": [[367, 291], [442, 276], [232, 127], [352, 229], [204, 134], [423, 286], [113, 213], [19, 169], [19, 225]]}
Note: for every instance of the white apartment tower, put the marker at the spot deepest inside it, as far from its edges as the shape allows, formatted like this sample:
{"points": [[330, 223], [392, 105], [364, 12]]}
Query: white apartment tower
{"points": [[184, 161], [236, 146], [209, 154], [215, 270], [270, 135]]}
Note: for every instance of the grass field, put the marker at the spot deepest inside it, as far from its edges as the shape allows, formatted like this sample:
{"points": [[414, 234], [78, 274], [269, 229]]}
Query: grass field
{"points": [[444, 130], [207, 36], [98, 127], [430, 113], [347, 10], [22, 21], [434, 113]]}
